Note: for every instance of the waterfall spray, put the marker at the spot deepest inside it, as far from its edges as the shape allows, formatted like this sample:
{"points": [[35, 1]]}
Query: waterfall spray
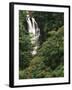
{"points": [[34, 32]]}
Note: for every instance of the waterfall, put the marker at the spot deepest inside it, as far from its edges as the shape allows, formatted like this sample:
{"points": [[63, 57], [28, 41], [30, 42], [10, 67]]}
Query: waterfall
{"points": [[34, 32]]}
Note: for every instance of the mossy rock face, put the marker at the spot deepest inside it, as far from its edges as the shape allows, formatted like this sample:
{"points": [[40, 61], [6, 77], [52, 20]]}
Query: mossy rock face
{"points": [[36, 60]]}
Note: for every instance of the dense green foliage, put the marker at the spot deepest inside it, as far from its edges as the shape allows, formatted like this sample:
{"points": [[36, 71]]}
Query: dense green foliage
{"points": [[24, 43], [49, 61]]}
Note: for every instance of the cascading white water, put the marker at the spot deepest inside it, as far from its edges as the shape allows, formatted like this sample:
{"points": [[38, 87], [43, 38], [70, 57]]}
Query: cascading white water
{"points": [[34, 32]]}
